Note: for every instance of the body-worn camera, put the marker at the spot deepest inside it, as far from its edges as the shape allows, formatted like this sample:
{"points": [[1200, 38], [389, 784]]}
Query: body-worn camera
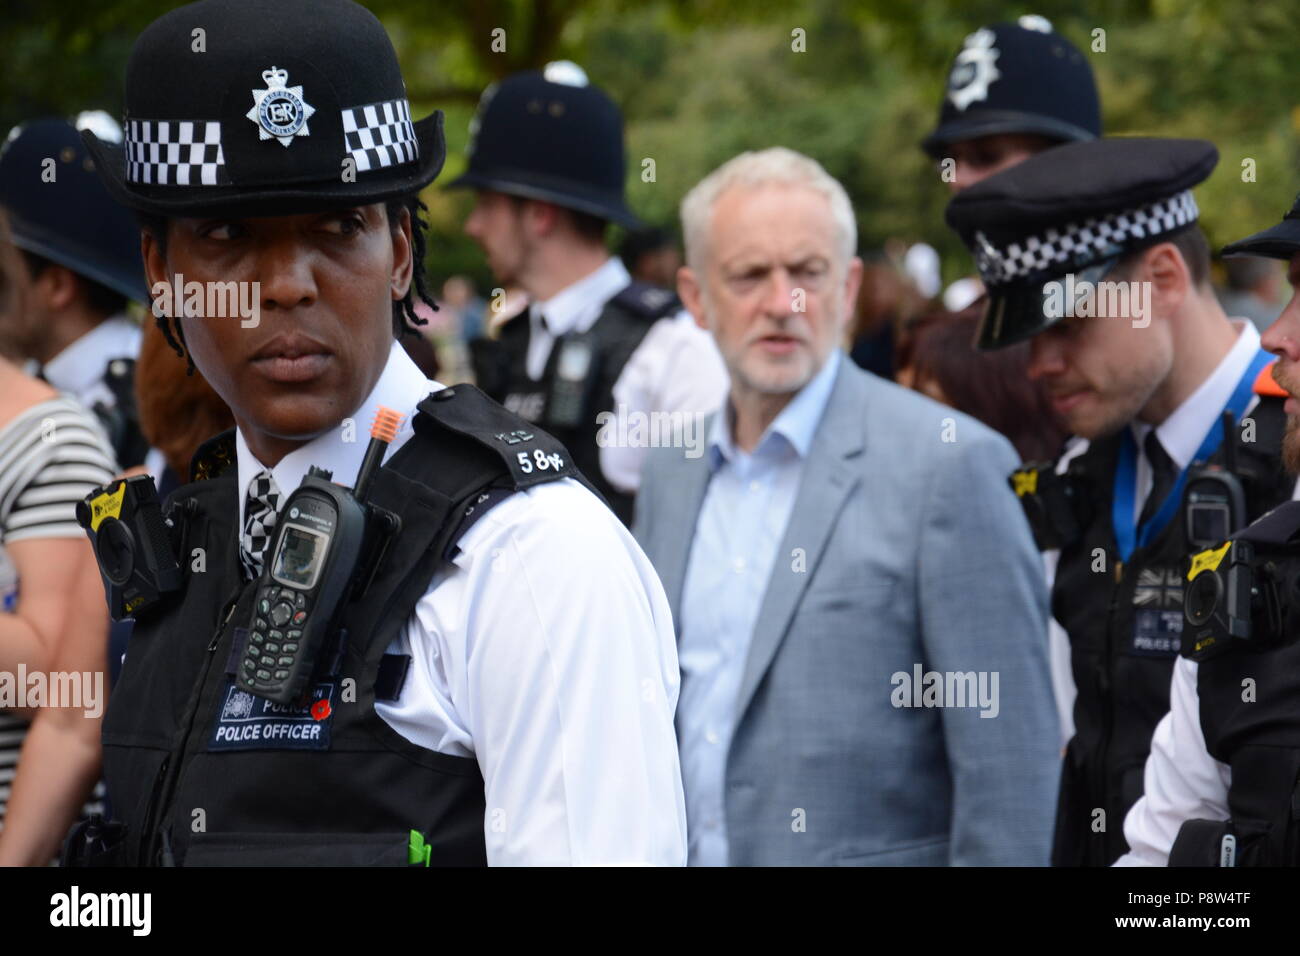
{"points": [[1055, 505], [1245, 592], [132, 544]]}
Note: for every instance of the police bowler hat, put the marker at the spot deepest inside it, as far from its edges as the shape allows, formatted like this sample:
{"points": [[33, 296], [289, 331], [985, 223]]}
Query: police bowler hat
{"points": [[243, 108]]}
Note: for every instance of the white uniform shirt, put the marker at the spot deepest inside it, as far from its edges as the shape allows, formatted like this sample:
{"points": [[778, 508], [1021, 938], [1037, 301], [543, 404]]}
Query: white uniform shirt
{"points": [[79, 368], [675, 368], [1180, 435], [547, 654]]}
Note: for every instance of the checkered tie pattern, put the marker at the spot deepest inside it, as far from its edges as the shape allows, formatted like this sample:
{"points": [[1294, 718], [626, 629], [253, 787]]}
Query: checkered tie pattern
{"points": [[259, 522]]}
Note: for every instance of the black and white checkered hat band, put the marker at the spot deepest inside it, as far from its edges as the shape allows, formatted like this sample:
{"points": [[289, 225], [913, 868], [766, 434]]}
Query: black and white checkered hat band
{"points": [[1081, 243], [188, 152], [380, 135], [175, 153]]}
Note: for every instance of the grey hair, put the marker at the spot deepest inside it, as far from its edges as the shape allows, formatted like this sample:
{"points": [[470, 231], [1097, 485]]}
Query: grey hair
{"points": [[774, 166]]}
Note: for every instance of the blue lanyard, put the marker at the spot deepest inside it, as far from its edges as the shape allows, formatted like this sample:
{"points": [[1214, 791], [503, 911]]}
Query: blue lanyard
{"points": [[1127, 536]]}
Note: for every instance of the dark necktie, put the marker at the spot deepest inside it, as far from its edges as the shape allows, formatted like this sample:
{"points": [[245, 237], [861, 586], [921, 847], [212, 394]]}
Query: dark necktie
{"points": [[1163, 475]]}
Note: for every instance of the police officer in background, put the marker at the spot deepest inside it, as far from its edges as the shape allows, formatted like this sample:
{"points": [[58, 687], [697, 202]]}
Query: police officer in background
{"points": [[546, 159], [1014, 90], [79, 265], [1221, 781], [499, 683], [1091, 251]]}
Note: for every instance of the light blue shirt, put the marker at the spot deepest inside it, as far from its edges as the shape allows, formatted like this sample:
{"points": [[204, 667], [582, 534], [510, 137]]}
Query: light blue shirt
{"points": [[740, 527]]}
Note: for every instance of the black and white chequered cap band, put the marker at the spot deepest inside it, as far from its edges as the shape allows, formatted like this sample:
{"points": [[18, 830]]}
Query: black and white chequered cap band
{"points": [[175, 153], [380, 135], [188, 152], [1082, 242]]}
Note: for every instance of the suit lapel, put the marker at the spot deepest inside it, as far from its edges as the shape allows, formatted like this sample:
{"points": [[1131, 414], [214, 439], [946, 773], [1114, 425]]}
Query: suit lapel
{"points": [[827, 480], [688, 483]]}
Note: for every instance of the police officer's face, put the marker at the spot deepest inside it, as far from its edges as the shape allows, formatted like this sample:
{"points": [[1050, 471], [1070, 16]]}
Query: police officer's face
{"points": [[977, 159], [496, 225], [327, 284], [772, 287], [1100, 372], [1283, 339]]}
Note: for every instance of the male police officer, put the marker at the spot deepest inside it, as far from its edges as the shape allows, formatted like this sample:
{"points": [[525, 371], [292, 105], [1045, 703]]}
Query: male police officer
{"points": [[1221, 781], [1014, 89], [502, 688], [1092, 250], [80, 263], [597, 354]]}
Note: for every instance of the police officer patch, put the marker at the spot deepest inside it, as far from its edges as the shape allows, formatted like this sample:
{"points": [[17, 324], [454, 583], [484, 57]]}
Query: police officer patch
{"points": [[246, 722], [279, 111]]}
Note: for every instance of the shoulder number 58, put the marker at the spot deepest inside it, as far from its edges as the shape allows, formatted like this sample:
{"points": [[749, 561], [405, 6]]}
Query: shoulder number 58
{"points": [[539, 460]]}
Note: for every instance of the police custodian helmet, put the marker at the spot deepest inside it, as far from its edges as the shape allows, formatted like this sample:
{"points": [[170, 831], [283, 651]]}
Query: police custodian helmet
{"points": [[243, 108], [1075, 209], [552, 136], [1017, 78], [59, 210]]}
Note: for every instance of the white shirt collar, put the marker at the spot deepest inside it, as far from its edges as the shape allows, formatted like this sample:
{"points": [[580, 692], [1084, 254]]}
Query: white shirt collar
{"points": [[576, 307], [1183, 431], [401, 387], [81, 364]]}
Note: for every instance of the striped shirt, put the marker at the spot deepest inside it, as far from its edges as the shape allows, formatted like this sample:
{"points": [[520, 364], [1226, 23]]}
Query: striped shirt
{"points": [[51, 456]]}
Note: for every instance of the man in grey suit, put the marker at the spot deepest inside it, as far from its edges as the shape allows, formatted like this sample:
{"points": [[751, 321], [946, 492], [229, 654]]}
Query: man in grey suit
{"points": [[860, 608]]}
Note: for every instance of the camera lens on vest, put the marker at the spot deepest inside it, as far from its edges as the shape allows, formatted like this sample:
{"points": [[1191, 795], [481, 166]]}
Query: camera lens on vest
{"points": [[115, 549], [1203, 596]]}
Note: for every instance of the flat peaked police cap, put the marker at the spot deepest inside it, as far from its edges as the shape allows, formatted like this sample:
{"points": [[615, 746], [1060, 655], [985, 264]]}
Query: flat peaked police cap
{"points": [[239, 107], [1068, 210]]}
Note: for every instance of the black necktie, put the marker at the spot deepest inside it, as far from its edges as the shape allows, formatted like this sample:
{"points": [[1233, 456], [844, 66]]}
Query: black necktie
{"points": [[1163, 475]]}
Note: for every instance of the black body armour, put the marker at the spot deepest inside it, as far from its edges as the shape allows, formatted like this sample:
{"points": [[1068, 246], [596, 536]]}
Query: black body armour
{"points": [[1250, 718], [201, 773], [121, 422], [578, 381], [1124, 620]]}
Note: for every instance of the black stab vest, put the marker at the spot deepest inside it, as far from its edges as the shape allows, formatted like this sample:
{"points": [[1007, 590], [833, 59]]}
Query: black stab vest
{"points": [[1254, 728], [200, 773], [1122, 671], [501, 370]]}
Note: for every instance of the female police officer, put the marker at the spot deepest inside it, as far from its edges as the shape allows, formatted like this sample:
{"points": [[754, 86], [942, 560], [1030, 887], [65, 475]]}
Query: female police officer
{"points": [[506, 688]]}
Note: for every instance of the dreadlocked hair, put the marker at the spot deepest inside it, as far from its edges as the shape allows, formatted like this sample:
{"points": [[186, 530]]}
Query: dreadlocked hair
{"points": [[405, 319]]}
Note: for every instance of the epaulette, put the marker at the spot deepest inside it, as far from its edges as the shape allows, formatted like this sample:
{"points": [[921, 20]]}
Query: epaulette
{"points": [[1266, 384], [647, 301], [213, 457]]}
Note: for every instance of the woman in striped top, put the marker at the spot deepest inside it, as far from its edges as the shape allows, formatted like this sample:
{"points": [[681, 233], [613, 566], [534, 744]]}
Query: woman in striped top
{"points": [[52, 454]]}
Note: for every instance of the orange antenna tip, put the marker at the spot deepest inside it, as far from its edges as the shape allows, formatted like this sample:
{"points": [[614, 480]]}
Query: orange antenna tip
{"points": [[386, 424]]}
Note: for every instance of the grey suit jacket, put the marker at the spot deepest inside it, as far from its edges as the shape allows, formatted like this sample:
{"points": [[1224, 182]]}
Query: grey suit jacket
{"points": [[916, 558]]}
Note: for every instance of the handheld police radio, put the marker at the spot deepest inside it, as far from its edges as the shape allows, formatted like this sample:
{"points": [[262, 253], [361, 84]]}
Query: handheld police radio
{"points": [[570, 390], [1214, 503], [320, 543]]}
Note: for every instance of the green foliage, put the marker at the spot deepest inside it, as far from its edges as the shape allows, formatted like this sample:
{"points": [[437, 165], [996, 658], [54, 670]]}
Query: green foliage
{"points": [[701, 80]]}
